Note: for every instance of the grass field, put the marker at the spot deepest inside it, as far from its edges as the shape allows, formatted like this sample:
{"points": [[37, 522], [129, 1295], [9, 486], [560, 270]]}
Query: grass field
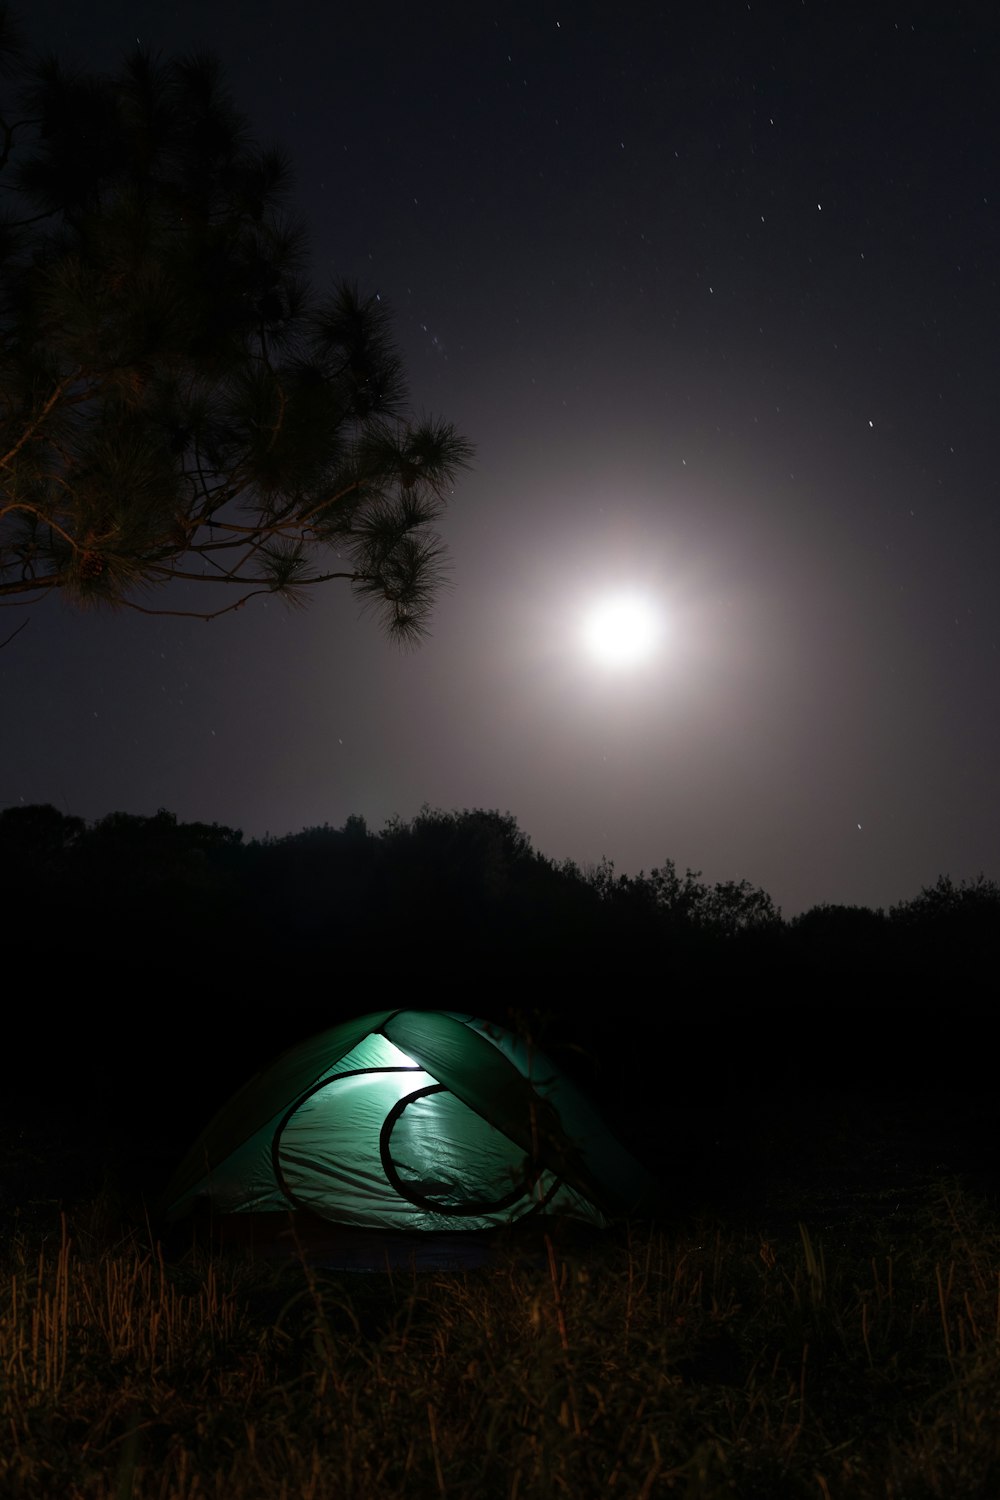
{"points": [[699, 1361]]}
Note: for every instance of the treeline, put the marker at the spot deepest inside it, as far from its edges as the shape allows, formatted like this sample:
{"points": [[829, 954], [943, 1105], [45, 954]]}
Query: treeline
{"points": [[450, 900]]}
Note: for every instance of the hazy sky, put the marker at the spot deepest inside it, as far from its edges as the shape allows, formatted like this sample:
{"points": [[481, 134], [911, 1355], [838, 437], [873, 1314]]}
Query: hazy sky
{"points": [[715, 295]]}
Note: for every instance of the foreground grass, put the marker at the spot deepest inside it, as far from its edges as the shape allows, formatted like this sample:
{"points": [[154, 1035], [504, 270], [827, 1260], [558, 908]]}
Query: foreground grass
{"points": [[697, 1364]]}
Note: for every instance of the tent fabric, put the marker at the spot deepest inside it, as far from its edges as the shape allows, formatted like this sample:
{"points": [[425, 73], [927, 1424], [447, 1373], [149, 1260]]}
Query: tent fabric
{"points": [[424, 1120]]}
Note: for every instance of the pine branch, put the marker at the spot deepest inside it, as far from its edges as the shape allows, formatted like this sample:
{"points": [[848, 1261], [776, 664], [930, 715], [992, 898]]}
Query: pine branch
{"points": [[22, 626], [206, 418], [32, 427]]}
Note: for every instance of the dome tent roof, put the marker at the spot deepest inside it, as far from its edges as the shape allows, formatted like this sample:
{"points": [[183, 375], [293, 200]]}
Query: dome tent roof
{"points": [[419, 1120]]}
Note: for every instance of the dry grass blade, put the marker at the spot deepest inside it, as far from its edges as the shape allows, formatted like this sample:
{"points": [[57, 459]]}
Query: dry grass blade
{"points": [[655, 1363]]}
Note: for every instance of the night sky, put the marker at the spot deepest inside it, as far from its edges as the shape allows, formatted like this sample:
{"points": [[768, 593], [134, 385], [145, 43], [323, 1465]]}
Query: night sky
{"points": [[714, 292]]}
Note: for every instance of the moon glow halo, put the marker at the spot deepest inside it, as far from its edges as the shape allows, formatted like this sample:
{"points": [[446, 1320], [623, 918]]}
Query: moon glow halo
{"points": [[622, 631]]}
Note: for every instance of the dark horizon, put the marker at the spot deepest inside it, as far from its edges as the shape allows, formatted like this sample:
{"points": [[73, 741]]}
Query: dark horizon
{"points": [[29, 830]]}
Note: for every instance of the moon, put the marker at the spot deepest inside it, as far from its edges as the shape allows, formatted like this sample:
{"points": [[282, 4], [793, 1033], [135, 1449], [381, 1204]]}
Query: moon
{"points": [[622, 631]]}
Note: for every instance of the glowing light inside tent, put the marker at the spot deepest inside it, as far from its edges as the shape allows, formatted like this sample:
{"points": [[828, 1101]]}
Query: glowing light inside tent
{"points": [[390, 1056]]}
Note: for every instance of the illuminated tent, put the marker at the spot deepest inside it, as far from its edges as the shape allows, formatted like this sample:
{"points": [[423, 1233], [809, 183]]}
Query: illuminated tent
{"points": [[417, 1120]]}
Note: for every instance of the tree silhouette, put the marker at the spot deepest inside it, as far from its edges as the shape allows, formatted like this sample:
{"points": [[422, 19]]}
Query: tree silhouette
{"points": [[176, 401]]}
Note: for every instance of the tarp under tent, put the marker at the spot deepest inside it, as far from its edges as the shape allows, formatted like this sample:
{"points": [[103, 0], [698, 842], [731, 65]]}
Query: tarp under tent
{"points": [[410, 1120]]}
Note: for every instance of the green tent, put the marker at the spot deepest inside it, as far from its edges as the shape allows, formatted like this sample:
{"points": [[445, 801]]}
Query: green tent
{"points": [[414, 1120]]}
